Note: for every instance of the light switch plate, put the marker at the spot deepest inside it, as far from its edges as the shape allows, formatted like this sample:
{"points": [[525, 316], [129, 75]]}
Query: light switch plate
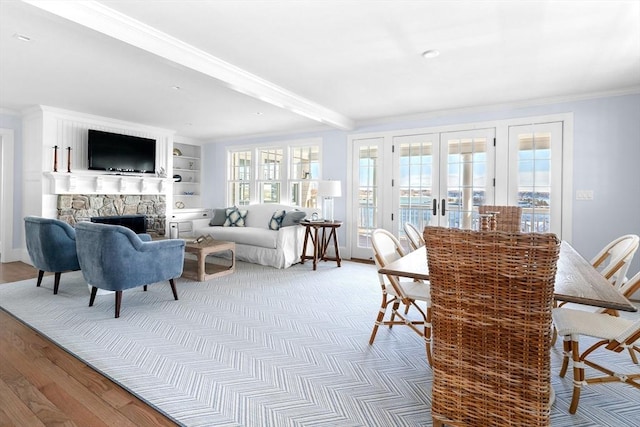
{"points": [[584, 195]]}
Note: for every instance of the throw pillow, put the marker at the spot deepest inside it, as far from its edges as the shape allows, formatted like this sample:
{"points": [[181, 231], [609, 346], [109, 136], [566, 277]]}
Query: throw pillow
{"points": [[234, 217], [276, 220], [218, 217], [293, 218]]}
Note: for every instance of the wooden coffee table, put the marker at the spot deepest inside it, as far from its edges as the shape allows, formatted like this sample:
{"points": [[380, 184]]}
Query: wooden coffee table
{"points": [[200, 270]]}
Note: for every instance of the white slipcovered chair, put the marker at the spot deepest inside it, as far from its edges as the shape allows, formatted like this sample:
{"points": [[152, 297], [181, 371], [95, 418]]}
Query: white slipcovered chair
{"points": [[386, 249], [613, 333], [413, 235]]}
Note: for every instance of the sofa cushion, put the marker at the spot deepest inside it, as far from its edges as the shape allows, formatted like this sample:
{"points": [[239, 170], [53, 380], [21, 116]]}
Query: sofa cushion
{"points": [[293, 218], [253, 236], [235, 217], [276, 220], [218, 217]]}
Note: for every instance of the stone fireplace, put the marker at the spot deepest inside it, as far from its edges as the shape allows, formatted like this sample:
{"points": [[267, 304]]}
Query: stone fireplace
{"points": [[73, 208]]}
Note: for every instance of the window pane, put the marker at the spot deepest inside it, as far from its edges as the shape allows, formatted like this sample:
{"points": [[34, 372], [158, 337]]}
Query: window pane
{"points": [[466, 182], [534, 179]]}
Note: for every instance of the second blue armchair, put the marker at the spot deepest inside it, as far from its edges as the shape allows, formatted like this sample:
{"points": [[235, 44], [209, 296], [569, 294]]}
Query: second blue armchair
{"points": [[114, 258]]}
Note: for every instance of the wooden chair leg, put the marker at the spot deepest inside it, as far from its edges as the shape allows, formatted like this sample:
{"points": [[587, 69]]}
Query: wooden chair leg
{"points": [[56, 283], [118, 302], [427, 336], [566, 347], [173, 289], [578, 376], [94, 292], [40, 275], [379, 319], [632, 353]]}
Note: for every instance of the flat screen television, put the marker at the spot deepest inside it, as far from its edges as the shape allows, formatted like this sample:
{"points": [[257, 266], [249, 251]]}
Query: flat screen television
{"points": [[121, 153]]}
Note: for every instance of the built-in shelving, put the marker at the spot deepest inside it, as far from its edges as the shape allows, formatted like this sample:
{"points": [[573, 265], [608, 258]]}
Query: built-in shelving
{"points": [[186, 176]]}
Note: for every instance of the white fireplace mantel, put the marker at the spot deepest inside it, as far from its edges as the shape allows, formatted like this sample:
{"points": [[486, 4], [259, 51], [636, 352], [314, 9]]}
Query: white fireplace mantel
{"points": [[100, 183]]}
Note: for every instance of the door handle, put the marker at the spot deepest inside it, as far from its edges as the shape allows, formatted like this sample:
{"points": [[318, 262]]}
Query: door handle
{"points": [[435, 207], [444, 206]]}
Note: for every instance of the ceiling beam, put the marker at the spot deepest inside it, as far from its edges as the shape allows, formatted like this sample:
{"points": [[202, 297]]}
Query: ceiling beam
{"points": [[112, 23]]}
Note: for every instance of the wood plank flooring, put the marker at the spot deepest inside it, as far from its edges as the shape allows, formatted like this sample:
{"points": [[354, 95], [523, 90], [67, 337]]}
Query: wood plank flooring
{"points": [[43, 385]]}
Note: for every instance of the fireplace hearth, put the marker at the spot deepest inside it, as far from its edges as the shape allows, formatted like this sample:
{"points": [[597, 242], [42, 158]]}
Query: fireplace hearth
{"points": [[73, 208], [137, 223]]}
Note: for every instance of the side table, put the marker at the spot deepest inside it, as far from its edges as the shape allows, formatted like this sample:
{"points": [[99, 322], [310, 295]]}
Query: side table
{"points": [[199, 270], [320, 241]]}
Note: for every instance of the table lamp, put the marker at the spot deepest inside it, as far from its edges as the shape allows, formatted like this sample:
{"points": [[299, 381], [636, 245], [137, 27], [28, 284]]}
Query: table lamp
{"points": [[328, 190]]}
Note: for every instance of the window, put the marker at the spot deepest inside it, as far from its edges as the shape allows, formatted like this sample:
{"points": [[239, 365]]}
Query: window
{"points": [[270, 175], [305, 170], [239, 180], [286, 174]]}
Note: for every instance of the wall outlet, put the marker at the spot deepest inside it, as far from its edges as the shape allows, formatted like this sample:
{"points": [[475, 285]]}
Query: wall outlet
{"points": [[584, 195]]}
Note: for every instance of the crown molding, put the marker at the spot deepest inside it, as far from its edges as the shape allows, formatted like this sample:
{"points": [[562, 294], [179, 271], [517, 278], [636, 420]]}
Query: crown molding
{"points": [[105, 20]]}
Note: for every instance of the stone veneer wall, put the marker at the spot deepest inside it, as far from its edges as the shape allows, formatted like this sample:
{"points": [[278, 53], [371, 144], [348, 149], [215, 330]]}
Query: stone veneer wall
{"points": [[73, 208]]}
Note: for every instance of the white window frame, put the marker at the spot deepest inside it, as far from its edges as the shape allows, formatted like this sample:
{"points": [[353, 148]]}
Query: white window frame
{"points": [[285, 180]]}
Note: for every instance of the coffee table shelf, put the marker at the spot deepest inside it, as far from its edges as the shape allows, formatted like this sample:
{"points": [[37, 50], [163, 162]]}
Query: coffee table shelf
{"points": [[199, 269]]}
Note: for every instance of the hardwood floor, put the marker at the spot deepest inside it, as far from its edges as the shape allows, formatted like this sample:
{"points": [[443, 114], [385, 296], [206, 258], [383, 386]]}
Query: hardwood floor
{"points": [[42, 385]]}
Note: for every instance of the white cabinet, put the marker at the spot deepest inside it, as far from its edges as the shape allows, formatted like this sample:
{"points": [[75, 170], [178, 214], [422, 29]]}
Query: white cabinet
{"points": [[182, 220], [186, 176]]}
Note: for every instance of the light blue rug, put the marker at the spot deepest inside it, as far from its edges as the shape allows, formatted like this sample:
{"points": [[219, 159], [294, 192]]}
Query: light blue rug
{"points": [[267, 347]]}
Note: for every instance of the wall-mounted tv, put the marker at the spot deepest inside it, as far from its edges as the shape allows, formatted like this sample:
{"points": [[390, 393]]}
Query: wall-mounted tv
{"points": [[121, 153]]}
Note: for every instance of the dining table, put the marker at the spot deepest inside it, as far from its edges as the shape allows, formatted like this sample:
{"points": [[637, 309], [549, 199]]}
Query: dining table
{"points": [[576, 281]]}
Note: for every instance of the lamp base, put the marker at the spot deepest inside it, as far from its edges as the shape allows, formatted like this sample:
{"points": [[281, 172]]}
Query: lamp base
{"points": [[327, 208]]}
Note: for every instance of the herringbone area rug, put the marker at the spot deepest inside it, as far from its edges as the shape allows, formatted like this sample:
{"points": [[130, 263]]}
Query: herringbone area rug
{"points": [[267, 347]]}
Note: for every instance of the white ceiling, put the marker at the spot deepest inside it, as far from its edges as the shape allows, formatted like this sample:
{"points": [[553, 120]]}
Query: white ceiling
{"points": [[351, 62]]}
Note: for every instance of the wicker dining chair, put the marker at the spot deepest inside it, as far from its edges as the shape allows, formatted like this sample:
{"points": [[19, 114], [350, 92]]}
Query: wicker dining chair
{"points": [[492, 296], [613, 333], [396, 293], [507, 217], [413, 235]]}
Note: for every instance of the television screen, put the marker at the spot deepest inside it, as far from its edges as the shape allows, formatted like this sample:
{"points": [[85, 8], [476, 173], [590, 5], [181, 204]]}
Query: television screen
{"points": [[121, 153]]}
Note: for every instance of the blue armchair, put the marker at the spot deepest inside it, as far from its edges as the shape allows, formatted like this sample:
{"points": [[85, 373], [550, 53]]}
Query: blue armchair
{"points": [[114, 258], [51, 245]]}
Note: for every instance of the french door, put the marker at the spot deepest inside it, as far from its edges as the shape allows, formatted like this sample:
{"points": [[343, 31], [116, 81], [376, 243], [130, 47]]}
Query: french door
{"points": [[422, 178], [441, 176]]}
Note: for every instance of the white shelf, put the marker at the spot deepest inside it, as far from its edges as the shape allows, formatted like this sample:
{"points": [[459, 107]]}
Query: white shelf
{"points": [[189, 168], [97, 183]]}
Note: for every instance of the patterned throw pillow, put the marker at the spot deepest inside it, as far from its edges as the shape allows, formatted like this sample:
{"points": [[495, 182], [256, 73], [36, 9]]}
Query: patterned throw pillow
{"points": [[235, 218], [276, 220]]}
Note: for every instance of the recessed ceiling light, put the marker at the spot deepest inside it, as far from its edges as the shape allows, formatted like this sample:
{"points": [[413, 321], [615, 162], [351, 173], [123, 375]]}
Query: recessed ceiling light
{"points": [[22, 37], [431, 53], [259, 113], [176, 87]]}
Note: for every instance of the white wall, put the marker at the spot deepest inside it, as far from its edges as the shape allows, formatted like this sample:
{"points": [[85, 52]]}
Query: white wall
{"points": [[606, 158]]}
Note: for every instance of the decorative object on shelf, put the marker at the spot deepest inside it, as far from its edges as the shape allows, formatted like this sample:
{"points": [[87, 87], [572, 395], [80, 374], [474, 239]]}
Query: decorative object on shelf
{"points": [[189, 193], [161, 172], [177, 152], [191, 165], [55, 158], [180, 205], [69, 159], [307, 175], [328, 190], [177, 178]]}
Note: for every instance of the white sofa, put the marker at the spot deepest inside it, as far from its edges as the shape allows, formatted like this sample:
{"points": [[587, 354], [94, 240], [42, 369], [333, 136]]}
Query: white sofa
{"points": [[255, 242]]}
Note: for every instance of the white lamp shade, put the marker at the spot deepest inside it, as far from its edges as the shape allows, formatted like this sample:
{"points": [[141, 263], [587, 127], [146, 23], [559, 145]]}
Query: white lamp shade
{"points": [[329, 189]]}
